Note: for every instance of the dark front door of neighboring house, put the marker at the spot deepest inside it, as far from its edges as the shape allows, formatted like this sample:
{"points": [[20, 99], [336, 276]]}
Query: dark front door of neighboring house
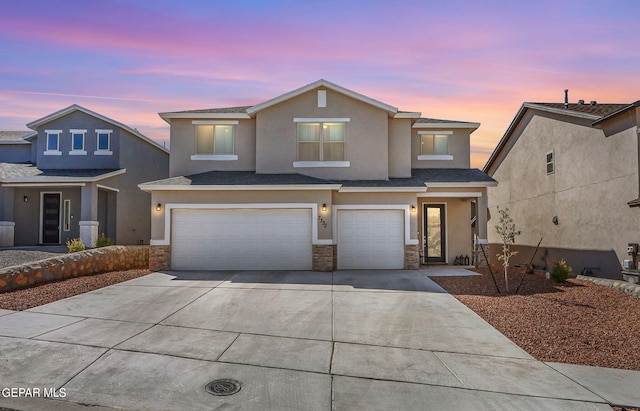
{"points": [[434, 229], [51, 218]]}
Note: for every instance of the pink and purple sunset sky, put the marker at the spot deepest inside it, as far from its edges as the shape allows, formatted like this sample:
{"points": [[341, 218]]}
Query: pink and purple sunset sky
{"points": [[458, 60]]}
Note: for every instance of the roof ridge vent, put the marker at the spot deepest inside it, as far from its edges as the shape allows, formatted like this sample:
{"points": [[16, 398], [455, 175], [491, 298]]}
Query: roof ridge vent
{"points": [[580, 101], [593, 102]]}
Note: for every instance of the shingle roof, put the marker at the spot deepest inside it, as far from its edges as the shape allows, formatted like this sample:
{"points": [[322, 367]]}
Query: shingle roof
{"points": [[437, 121], [238, 109], [240, 178], [14, 136], [418, 179], [421, 176], [596, 109], [9, 171]]}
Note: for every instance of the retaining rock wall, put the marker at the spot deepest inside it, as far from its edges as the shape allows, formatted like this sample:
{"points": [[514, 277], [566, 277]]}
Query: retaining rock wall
{"points": [[94, 261]]}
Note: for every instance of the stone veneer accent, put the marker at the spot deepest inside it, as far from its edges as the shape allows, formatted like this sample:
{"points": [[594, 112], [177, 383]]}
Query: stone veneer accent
{"points": [[480, 261], [322, 259], [95, 261], [159, 257], [412, 257]]}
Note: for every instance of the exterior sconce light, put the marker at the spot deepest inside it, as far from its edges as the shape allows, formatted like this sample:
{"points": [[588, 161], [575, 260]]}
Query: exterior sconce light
{"points": [[413, 208], [159, 207], [324, 207], [554, 220], [25, 199]]}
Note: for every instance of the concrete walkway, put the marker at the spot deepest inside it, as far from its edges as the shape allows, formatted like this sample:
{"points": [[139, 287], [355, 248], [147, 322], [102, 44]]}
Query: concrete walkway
{"points": [[373, 340]]}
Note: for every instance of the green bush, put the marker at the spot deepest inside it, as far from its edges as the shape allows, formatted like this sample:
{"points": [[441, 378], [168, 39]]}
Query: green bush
{"points": [[561, 271], [74, 245], [103, 241]]}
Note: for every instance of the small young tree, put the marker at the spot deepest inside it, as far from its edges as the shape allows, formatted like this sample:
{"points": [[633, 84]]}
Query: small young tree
{"points": [[506, 229]]}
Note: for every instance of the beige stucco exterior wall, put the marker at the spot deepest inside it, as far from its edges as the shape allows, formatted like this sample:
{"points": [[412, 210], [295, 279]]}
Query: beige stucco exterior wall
{"points": [[595, 176], [459, 148], [366, 141], [183, 146], [400, 147]]}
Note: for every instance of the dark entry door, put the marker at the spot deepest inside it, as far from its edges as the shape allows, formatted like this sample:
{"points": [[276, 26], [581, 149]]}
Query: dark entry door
{"points": [[51, 218], [434, 229]]}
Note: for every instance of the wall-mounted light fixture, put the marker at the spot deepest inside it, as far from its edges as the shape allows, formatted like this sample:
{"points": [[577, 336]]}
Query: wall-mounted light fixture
{"points": [[25, 199], [159, 207], [413, 208], [324, 207], [554, 220]]}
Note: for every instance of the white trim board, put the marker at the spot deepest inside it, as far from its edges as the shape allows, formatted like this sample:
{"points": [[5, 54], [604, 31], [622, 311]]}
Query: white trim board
{"points": [[451, 194]]}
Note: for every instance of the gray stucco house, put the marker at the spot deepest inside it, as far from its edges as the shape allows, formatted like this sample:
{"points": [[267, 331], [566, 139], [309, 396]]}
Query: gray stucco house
{"points": [[318, 178], [569, 172], [76, 175]]}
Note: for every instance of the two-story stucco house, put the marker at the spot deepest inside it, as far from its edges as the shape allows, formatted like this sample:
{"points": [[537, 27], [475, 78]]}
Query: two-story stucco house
{"points": [[76, 175], [570, 173], [318, 178]]}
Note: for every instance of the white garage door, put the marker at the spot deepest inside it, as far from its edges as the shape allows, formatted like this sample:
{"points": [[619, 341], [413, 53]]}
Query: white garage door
{"points": [[370, 239], [241, 239]]}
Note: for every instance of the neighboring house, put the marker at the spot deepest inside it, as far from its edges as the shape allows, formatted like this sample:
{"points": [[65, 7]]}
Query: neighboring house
{"points": [[78, 177], [569, 173], [13, 146], [318, 178]]}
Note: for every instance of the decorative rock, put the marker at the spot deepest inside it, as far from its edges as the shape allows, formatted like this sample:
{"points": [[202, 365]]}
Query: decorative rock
{"points": [[628, 288]]}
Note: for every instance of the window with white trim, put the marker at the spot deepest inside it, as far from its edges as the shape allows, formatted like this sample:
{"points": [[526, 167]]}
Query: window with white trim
{"points": [[66, 216], [321, 141], [77, 142], [103, 142], [52, 143], [434, 144], [550, 163], [214, 139]]}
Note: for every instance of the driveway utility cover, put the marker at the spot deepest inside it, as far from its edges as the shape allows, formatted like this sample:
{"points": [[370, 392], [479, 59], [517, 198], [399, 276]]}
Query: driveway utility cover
{"points": [[223, 387]]}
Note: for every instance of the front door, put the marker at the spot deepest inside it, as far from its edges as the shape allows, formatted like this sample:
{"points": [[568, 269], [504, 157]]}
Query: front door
{"points": [[51, 218], [434, 229]]}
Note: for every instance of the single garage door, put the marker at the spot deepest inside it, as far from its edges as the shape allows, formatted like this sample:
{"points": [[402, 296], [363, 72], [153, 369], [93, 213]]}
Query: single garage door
{"points": [[370, 239], [241, 239]]}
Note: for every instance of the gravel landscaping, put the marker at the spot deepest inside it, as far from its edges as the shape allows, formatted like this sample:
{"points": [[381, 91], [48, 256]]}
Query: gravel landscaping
{"points": [[12, 257], [46, 293], [577, 322]]}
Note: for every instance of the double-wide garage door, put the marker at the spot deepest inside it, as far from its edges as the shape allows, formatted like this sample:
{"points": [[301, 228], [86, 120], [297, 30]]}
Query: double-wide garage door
{"points": [[241, 239], [370, 239]]}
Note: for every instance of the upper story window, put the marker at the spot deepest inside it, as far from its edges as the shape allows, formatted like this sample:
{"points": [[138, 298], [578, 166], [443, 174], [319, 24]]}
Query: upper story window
{"points": [[434, 145], [321, 143], [215, 140], [550, 163], [77, 142], [103, 142], [53, 143]]}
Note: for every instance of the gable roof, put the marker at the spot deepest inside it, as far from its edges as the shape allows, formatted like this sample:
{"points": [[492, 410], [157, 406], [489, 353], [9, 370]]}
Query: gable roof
{"points": [[14, 137], [594, 112], [326, 84], [61, 113]]}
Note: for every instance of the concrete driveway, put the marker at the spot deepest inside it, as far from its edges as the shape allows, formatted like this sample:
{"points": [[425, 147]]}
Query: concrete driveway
{"points": [[366, 340]]}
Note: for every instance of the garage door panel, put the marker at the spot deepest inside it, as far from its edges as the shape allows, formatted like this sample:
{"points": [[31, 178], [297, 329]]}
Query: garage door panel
{"points": [[241, 239], [370, 239]]}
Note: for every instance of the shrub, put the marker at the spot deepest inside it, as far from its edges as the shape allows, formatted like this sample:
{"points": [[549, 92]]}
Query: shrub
{"points": [[74, 245], [561, 271], [103, 241]]}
